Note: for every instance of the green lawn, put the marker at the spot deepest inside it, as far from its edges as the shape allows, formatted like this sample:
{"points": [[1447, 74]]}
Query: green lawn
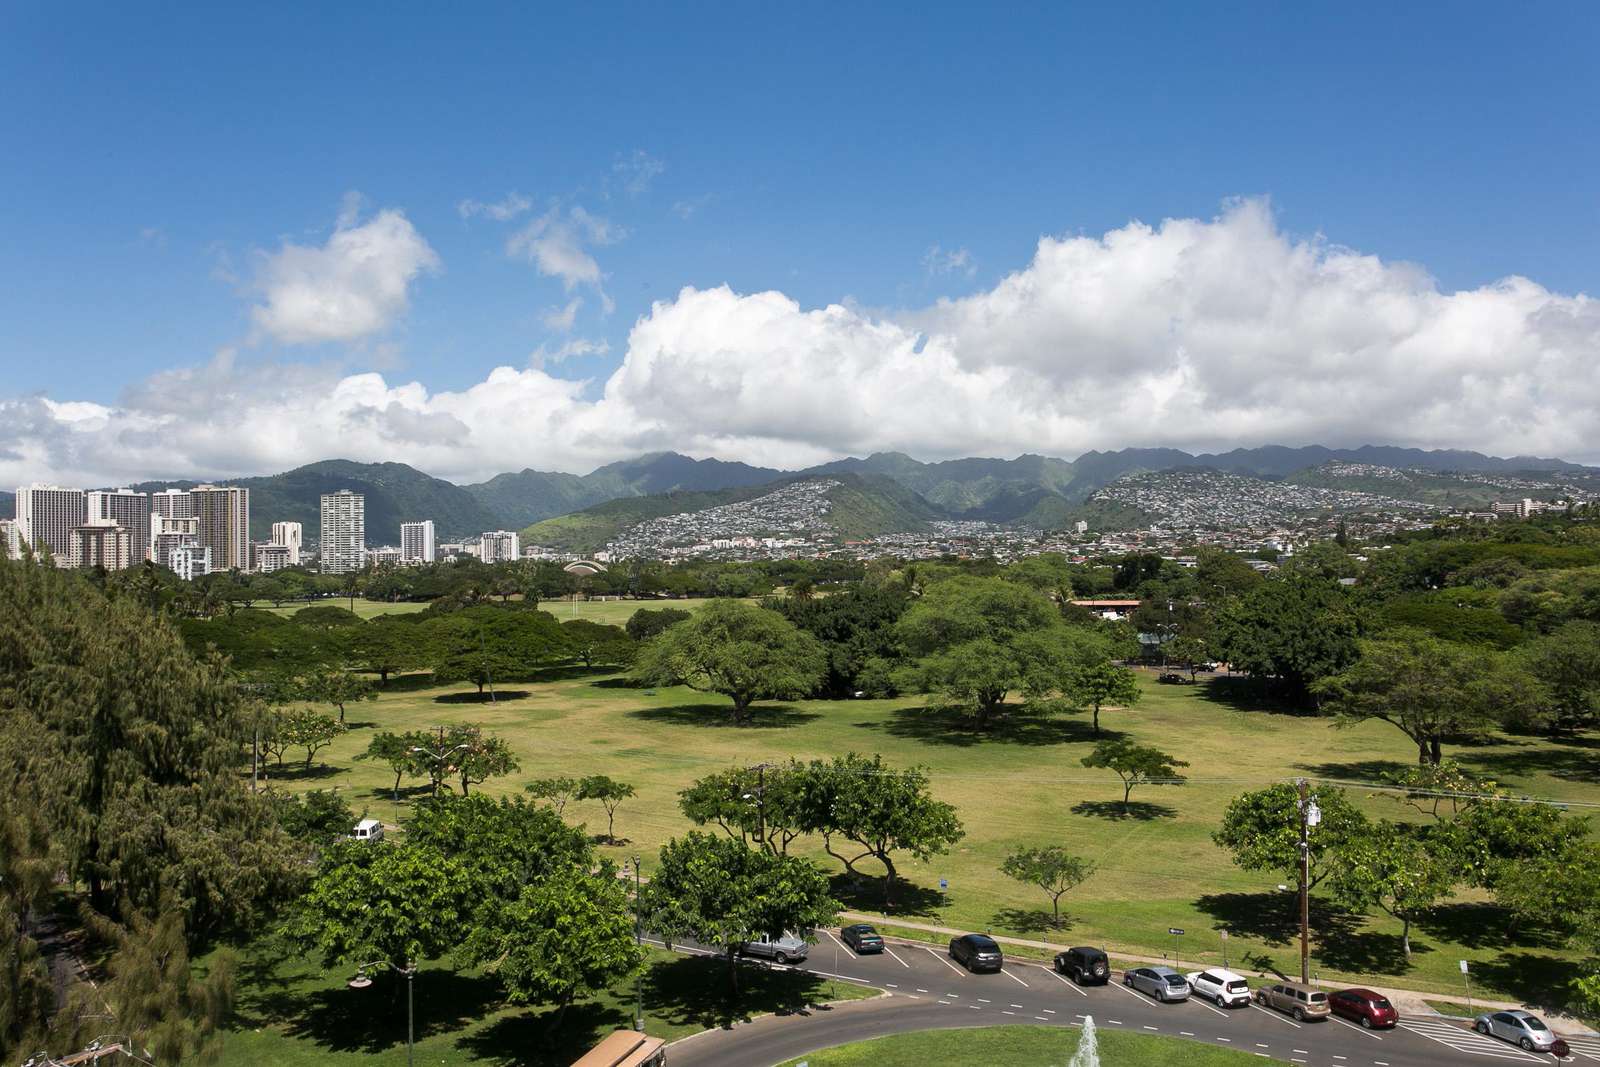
{"points": [[615, 612], [1023, 1045], [290, 1012], [1024, 786]]}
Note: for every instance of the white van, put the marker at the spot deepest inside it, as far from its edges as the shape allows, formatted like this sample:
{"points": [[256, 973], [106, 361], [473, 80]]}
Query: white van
{"points": [[368, 830], [1229, 990]]}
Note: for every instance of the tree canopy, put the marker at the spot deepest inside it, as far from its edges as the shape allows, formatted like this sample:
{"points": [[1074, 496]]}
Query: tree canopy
{"points": [[744, 652], [1136, 765]]}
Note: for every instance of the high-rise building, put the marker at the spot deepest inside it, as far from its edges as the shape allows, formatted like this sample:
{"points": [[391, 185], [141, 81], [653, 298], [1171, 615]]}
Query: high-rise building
{"points": [[383, 556], [223, 512], [416, 542], [46, 517], [497, 546], [103, 543], [172, 503], [289, 535], [10, 539], [190, 561], [343, 544], [167, 534], [127, 509]]}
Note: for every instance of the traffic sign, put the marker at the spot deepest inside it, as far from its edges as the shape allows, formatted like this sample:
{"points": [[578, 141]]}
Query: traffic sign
{"points": [[1174, 930], [944, 884], [1463, 966]]}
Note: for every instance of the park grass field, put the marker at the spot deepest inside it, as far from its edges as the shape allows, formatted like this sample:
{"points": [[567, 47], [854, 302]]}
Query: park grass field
{"points": [[612, 612], [1023, 785], [1022, 1044]]}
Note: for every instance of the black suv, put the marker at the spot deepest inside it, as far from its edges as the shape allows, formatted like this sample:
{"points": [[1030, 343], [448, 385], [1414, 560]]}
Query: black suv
{"points": [[1087, 966], [976, 952]]}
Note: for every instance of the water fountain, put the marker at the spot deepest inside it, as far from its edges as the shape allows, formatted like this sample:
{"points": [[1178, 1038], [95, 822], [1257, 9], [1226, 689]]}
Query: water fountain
{"points": [[1088, 1054]]}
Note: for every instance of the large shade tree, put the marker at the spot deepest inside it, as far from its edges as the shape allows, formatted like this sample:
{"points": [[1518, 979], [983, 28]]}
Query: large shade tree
{"points": [[741, 651], [973, 641], [1289, 630]]}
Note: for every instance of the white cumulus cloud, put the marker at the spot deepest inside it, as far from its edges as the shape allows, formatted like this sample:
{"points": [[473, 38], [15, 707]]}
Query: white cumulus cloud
{"points": [[558, 243], [1194, 333], [355, 285]]}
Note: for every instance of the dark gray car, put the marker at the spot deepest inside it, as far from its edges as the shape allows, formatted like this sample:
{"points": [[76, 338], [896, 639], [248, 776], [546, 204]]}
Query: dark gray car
{"points": [[976, 952], [1163, 983]]}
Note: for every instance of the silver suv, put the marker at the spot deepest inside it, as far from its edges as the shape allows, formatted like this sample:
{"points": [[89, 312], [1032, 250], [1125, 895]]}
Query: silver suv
{"points": [[785, 949]]}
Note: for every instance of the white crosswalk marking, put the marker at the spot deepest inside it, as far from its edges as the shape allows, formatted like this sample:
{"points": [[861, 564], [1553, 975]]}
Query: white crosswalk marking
{"points": [[1465, 1040]]}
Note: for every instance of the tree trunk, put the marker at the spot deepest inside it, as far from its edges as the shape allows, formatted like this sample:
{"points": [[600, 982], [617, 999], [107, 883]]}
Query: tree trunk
{"points": [[1127, 791], [341, 713], [1405, 936], [1055, 904], [383, 675], [480, 690], [733, 970], [398, 772], [463, 783], [1097, 718], [1422, 752], [611, 821], [888, 879], [741, 707], [1434, 755]]}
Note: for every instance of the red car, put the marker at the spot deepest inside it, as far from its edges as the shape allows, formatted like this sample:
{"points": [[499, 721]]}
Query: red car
{"points": [[1371, 1010]]}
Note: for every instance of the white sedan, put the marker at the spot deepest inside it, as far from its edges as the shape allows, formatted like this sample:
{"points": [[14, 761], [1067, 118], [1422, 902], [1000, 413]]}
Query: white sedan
{"points": [[1229, 990]]}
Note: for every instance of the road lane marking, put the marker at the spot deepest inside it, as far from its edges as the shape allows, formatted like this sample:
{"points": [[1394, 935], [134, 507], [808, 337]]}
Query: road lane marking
{"points": [[1470, 1041], [1229, 1040], [1262, 1045], [1155, 1028], [1068, 984], [1186, 1033], [1041, 1018], [1015, 979], [836, 941], [1114, 1022], [983, 1000], [919, 989], [846, 977], [891, 985], [1358, 1029], [897, 958], [1048, 1011], [1129, 990], [1004, 1012], [946, 962], [1208, 1007], [1275, 1015], [1016, 1005]]}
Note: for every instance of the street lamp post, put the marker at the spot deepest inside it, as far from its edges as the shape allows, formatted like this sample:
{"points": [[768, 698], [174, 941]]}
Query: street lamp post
{"points": [[438, 757], [361, 981], [1310, 815], [638, 940]]}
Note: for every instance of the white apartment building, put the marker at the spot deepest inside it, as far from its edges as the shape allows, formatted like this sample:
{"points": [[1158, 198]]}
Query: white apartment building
{"points": [[497, 546], [416, 542], [190, 561], [343, 545], [384, 556], [167, 534], [289, 535], [10, 539], [46, 517], [223, 514], [126, 508], [103, 543], [272, 557], [172, 503]]}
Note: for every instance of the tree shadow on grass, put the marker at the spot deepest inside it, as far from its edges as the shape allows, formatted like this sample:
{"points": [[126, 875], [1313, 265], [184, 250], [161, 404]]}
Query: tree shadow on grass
{"points": [[299, 772], [618, 683], [528, 1040], [1140, 810], [860, 892], [759, 717], [1482, 925], [1552, 758], [499, 696], [1371, 770], [1250, 694], [1273, 917], [695, 990], [1030, 921], [946, 726], [570, 672], [362, 724], [1538, 980], [373, 1020]]}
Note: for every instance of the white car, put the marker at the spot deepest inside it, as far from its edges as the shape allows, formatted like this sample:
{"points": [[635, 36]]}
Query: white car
{"points": [[1229, 990]]}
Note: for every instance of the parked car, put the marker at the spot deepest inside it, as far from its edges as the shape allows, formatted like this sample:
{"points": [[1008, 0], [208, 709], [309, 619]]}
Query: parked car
{"points": [[1229, 990], [1295, 999], [1172, 678], [863, 938], [1363, 1006], [1521, 1028], [976, 952], [1163, 983], [785, 949], [1086, 966]]}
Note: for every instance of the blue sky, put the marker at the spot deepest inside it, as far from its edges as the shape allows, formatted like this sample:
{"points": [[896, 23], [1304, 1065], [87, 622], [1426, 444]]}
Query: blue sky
{"points": [[886, 156]]}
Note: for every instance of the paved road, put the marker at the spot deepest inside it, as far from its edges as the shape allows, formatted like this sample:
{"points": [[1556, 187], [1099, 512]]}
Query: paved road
{"points": [[929, 991]]}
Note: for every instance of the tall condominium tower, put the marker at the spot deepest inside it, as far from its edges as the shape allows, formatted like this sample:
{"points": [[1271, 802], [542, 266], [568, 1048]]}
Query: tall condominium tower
{"points": [[103, 543], [343, 547], [172, 503], [127, 509], [223, 526], [416, 542], [497, 546], [46, 517], [288, 534]]}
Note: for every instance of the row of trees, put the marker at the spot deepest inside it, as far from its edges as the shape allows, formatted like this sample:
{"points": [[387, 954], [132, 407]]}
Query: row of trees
{"points": [[1533, 860]]}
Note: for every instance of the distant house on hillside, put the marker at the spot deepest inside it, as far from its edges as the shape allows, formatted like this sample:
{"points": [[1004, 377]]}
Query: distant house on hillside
{"points": [[1114, 610]]}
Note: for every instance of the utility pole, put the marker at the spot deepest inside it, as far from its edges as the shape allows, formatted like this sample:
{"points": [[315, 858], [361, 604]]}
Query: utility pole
{"points": [[1309, 817], [638, 940]]}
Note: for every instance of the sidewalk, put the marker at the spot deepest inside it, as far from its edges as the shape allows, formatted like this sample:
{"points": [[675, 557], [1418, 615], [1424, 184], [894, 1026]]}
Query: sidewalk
{"points": [[1408, 1001]]}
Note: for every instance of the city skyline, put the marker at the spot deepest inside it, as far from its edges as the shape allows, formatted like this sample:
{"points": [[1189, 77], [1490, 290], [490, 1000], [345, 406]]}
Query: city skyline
{"points": [[1157, 247]]}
